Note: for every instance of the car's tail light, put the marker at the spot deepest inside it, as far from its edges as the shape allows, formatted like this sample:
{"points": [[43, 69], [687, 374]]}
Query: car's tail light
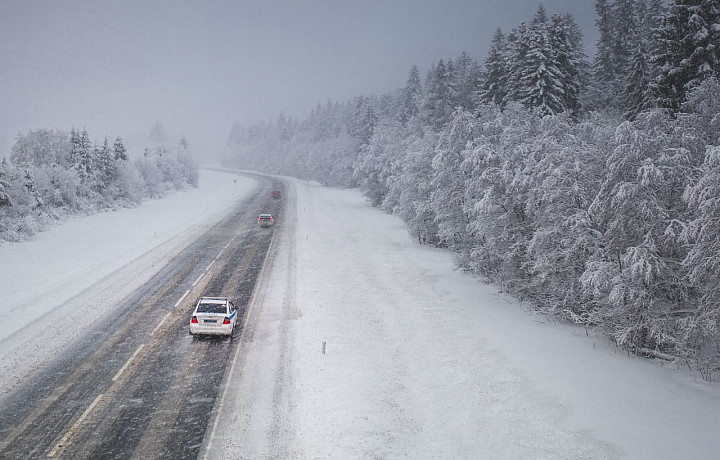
{"points": [[226, 320], [194, 320]]}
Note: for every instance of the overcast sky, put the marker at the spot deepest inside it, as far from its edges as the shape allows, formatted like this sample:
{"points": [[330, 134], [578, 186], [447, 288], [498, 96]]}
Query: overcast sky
{"points": [[116, 67]]}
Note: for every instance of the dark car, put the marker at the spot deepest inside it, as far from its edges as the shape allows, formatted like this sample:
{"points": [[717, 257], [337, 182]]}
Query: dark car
{"points": [[276, 194]]}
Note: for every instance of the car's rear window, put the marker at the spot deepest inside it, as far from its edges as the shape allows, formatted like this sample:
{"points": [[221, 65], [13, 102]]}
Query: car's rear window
{"points": [[212, 308]]}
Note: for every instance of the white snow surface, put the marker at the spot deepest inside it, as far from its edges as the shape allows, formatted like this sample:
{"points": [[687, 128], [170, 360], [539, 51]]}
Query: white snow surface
{"points": [[361, 343], [367, 345]]}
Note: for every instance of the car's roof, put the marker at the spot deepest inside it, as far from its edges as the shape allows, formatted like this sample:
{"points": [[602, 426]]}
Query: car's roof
{"points": [[214, 299], [265, 215]]}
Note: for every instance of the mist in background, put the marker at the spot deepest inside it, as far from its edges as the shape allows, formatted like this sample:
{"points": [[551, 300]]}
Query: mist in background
{"points": [[197, 67]]}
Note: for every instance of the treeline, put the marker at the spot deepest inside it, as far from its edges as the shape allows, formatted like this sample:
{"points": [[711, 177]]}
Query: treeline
{"points": [[54, 173], [592, 191]]}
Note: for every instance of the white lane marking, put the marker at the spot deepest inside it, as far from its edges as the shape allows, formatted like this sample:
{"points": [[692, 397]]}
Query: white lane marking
{"points": [[160, 323], [181, 298], [219, 254], [198, 280], [122, 369], [74, 428], [211, 264], [228, 244]]}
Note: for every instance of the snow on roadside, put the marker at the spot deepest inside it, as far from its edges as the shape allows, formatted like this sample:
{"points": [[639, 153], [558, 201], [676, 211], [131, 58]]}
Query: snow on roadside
{"points": [[52, 288], [366, 345]]}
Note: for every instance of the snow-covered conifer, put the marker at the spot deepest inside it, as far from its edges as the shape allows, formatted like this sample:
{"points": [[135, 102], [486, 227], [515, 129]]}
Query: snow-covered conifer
{"points": [[517, 46], [495, 82], [437, 107], [689, 44], [568, 60], [411, 96], [541, 80], [119, 150], [30, 189]]}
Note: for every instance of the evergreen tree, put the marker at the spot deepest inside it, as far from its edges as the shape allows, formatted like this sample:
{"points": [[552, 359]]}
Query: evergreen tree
{"points": [[30, 189], [410, 97], [638, 87], [366, 121], [689, 40], [568, 57], [605, 73], [437, 106], [518, 42], [74, 148], [119, 150], [624, 34], [466, 82], [84, 157], [495, 83], [542, 82], [106, 168]]}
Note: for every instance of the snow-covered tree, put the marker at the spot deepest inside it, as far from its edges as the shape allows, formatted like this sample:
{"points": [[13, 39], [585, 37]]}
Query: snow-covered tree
{"points": [[568, 57], [413, 186], [689, 44], [367, 120], [410, 97], [372, 168], [83, 155], [42, 147], [119, 150], [541, 80], [437, 107], [636, 277], [702, 326], [638, 89], [465, 82], [495, 82], [5, 199], [448, 181], [501, 162], [30, 190], [105, 165], [517, 46]]}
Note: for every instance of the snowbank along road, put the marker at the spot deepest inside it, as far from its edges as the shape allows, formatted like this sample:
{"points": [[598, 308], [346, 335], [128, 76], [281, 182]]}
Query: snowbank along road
{"points": [[140, 386]]}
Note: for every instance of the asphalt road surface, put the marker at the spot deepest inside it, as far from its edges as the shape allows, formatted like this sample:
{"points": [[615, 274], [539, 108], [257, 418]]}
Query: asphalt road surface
{"points": [[139, 386]]}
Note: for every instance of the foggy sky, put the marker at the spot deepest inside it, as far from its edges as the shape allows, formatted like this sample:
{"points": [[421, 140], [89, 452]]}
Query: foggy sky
{"points": [[117, 67]]}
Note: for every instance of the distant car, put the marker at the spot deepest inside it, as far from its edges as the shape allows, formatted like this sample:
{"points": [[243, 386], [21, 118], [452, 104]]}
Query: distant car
{"points": [[213, 316], [266, 220], [276, 194]]}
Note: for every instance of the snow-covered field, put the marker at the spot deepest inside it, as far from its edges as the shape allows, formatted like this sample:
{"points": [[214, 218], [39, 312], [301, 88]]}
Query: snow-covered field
{"points": [[74, 274], [367, 345], [362, 344]]}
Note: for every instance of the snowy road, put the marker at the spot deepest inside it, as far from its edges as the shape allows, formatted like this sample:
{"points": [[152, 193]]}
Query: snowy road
{"points": [[138, 385]]}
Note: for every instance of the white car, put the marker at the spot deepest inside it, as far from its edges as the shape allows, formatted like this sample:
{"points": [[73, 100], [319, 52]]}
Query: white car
{"points": [[213, 316]]}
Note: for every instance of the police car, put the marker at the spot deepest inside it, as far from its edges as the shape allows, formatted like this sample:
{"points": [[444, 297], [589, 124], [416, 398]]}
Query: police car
{"points": [[213, 316]]}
